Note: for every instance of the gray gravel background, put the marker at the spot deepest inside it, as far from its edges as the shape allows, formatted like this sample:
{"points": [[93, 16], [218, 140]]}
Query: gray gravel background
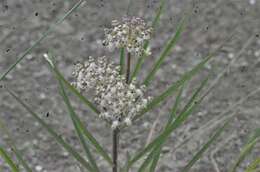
{"points": [[23, 21]]}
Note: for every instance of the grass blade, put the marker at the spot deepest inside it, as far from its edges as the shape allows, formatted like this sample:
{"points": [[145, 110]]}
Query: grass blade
{"points": [[45, 34], [175, 107], [185, 77], [16, 151], [156, 158], [172, 116], [87, 134], [253, 166], [78, 128], [158, 146], [246, 149], [158, 14], [8, 160], [68, 85], [162, 137], [57, 137], [122, 61], [167, 49], [199, 154], [146, 44], [157, 152]]}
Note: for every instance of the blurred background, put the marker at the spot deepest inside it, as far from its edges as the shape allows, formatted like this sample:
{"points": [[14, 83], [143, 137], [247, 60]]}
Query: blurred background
{"points": [[22, 22]]}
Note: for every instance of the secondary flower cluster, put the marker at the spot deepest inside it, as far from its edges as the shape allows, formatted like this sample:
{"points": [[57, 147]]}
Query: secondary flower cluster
{"points": [[130, 33], [118, 101]]}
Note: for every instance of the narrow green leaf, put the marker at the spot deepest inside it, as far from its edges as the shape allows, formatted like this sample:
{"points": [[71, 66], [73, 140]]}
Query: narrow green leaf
{"points": [[167, 49], [173, 112], [69, 86], [8, 160], [253, 166], [157, 150], [158, 14], [199, 154], [45, 34], [246, 149], [195, 95], [16, 151], [159, 140], [122, 60], [87, 134], [156, 157], [57, 137], [146, 44], [185, 77], [78, 128]]}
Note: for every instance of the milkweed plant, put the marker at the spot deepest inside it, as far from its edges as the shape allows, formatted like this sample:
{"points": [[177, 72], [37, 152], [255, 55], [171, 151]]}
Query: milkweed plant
{"points": [[120, 99]]}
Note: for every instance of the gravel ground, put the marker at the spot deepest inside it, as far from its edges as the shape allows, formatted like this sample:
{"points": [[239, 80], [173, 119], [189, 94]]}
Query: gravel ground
{"points": [[23, 21]]}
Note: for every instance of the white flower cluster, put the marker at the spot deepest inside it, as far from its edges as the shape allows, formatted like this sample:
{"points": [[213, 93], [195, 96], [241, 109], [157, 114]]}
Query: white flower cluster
{"points": [[117, 101], [131, 34]]}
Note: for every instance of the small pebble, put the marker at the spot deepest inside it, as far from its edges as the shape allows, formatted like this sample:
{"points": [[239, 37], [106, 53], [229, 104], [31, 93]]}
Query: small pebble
{"points": [[252, 2], [257, 53], [38, 168], [231, 55]]}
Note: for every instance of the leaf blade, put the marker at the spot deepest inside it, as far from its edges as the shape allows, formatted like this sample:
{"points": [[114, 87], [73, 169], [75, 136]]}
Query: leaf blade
{"points": [[205, 147], [166, 51], [57, 73], [57, 137], [16, 151], [87, 134], [246, 149], [171, 125], [8, 160], [78, 128], [146, 44], [45, 34]]}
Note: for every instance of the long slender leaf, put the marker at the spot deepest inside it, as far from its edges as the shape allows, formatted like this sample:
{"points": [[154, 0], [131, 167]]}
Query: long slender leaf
{"points": [[246, 149], [87, 134], [156, 152], [8, 160], [195, 95], [57, 137], [172, 116], [167, 49], [146, 44], [69, 86], [175, 106], [78, 128], [162, 137], [199, 154], [45, 34], [185, 77], [156, 158], [253, 166], [16, 151]]}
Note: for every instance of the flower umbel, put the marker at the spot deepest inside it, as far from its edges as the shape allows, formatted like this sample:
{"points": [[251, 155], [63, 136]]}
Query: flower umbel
{"points": [[118, 101], [130, 33]]}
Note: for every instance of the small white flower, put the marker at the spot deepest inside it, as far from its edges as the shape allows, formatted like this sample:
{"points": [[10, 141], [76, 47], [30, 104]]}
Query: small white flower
{"points": [[130, 33], [115, 125], [128, 121], [117, 101]]}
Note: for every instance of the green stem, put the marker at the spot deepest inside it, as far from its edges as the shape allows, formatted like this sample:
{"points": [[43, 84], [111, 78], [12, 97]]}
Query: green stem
{"points": [[115, 148]]}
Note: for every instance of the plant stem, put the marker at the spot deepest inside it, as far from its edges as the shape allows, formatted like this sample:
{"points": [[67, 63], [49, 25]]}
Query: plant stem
{"points": [[128, 67], [116, 131], [115, 148]]}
